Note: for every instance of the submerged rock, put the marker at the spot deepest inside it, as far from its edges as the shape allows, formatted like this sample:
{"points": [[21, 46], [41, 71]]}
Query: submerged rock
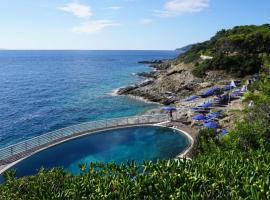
{"points": [[150, 62], [152, 74], [126, 90], [161, 66]]}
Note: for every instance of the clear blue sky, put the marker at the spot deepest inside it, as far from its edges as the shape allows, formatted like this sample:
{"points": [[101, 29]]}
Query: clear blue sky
{"points": [[121, 24]]}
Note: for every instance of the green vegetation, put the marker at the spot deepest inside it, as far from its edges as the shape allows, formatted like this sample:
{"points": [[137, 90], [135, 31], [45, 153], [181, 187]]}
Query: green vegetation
{"points": [[219, 175], [236, 166], [236, 51]]}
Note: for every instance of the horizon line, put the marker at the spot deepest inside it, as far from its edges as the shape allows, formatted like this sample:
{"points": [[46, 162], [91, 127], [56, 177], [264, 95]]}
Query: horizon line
{"points": [[3, 49]]}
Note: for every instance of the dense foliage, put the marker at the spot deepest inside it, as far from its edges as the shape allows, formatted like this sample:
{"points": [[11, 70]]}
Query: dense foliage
{"points": [[222, 175], [236, 50]]}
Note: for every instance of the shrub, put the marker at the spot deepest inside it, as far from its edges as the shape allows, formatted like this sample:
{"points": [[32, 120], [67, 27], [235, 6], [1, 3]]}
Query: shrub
{"points": [[200, 69], [223, 175]]}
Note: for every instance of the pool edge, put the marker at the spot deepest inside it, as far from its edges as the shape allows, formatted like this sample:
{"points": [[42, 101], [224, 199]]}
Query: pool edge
{"points": [[181, 155]]}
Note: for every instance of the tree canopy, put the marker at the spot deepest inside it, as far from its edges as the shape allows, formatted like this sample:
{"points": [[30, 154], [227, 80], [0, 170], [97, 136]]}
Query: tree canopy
{"points": [[236, 50]]}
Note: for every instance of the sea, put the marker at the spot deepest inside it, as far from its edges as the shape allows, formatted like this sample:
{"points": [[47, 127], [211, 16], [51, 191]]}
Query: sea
{"points": [[42, 91]]}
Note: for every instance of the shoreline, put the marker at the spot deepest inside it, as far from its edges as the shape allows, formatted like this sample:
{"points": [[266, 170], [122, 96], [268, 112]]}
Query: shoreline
{"points": [[115, 93]]}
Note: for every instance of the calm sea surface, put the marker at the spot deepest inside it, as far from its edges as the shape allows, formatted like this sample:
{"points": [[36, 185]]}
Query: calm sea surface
{"points": [[41, 91]]}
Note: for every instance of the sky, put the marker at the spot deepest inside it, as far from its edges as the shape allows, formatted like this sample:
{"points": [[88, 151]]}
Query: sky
{"points": [[121, 24]]}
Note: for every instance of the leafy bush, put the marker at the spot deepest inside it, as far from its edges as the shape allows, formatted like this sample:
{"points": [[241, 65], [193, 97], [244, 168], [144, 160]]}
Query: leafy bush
{"points": [[193, 54], [253, 132], [224, 175], [238, 65], [207, 142], [200, 69], [191, 57]]}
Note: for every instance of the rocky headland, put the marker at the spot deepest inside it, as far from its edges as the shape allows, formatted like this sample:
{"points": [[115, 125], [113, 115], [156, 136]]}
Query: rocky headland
{"points": [[171, 81]]}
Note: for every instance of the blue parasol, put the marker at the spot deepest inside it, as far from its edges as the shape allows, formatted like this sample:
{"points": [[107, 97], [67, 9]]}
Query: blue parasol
{"points": [[211, 125], [199, 117], [224, 132], [210, 92], [206, 105], [213, 115], [168, 108], [228, 87]]}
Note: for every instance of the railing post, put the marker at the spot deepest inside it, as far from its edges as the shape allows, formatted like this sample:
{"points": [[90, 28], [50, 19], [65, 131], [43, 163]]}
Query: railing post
{"points": [[11, 151], [25, 146]]}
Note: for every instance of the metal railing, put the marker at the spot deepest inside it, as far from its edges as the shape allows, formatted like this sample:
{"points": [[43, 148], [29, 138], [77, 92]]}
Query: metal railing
{"points": [[14, 152]]}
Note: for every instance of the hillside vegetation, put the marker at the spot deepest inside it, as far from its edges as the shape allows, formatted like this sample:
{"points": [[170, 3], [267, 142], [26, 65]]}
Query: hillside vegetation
{"points": [[238, 51]]}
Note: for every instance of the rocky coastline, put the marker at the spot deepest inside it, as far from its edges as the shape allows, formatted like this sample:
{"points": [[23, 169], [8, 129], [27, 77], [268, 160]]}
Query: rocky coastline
{"points": [[170, 82]]}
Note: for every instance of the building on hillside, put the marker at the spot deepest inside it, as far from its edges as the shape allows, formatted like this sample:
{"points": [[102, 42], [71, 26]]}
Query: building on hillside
{"points": [[206, 57]]}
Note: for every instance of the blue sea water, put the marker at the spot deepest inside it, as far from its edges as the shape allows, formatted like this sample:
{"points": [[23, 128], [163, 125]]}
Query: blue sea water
{"points": [[41, 91], [137, 143]]}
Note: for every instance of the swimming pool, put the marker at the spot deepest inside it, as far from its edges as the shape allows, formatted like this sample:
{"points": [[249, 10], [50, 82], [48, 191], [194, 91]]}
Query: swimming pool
{"points": [[140, 144]]}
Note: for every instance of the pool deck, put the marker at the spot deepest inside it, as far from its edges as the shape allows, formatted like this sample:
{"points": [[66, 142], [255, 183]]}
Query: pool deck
{"points": [[2, 167], [187, 130], [190, 132]]}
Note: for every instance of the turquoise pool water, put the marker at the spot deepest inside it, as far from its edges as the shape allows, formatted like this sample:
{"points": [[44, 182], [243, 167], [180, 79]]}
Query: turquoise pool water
{"points": [[120, 145]]}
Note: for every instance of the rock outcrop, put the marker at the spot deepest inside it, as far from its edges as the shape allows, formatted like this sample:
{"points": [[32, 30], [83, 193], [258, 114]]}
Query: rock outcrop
{"points": [[171, 82]]}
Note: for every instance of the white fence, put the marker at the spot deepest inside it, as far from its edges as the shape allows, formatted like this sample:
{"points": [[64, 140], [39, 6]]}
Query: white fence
{"points": [[24, 148]]}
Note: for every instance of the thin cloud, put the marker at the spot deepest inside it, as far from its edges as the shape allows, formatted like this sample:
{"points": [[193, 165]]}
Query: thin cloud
{"points": [[94, 26], [178, 7], [146, 21], [79, 10], [112, 8]]}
